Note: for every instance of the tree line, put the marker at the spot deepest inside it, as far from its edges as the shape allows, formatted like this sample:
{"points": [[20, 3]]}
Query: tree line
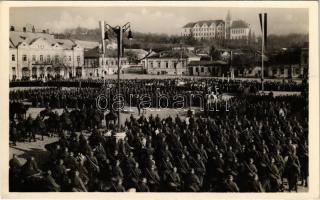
{"points": [[161, 41]]}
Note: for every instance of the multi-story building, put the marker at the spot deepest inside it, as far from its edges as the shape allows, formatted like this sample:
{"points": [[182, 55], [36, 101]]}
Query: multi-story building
{"points": [[240, 30], [207, 29], [218, 29], [97, 65], [37, 54], [168, 62]]}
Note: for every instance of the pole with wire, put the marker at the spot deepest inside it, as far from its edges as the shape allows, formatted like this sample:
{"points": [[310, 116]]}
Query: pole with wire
{"points": [[118, 30]]}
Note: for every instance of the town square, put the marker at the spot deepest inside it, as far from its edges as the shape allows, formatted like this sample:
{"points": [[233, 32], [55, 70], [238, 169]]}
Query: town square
{"points": [[159, 99]]}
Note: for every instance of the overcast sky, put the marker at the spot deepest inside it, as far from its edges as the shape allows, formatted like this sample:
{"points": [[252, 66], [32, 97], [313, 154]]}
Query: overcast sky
{"points": [[157, 19]]}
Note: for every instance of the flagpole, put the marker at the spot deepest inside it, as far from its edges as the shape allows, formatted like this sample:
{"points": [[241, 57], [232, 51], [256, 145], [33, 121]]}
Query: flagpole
{"points": [[262, 54]]}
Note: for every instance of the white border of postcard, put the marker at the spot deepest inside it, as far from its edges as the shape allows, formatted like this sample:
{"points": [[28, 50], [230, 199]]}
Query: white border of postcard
{"points": [[313, 192]]}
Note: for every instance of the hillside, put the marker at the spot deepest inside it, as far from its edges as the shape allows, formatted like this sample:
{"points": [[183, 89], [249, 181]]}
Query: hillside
{"points": [[160, 42]]}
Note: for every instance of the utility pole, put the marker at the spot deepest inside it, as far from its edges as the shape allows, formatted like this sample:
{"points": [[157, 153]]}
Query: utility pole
{"points": [[118, 30], [119, 69]]}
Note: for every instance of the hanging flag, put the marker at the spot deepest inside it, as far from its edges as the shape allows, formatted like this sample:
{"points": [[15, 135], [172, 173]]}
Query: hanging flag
{"points": [[264, 27], [260, 18], [265, 30]]}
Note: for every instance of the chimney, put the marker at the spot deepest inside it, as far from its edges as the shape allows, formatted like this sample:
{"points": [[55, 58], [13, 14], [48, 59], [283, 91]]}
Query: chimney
{"points": [[12, 28], [47, 31], [33, 29], [24, 29]]}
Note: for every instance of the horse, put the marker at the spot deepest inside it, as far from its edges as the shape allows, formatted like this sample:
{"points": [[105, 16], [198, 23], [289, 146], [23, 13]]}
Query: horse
{"points": [[18, 109]]}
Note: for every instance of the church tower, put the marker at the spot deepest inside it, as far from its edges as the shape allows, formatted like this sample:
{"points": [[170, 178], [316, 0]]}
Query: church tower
{"points": [[228, 25]]}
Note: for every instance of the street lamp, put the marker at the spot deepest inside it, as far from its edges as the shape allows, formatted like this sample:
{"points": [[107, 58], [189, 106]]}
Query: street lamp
{"points": [[119, 31]]}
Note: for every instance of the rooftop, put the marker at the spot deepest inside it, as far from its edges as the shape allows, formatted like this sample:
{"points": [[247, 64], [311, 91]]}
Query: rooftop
{"points": [[28, 28], [87, 44], [92, 53], [207, 63], [172, 54], [95, 52], [207, 22], [16, 38], [239, 24]]}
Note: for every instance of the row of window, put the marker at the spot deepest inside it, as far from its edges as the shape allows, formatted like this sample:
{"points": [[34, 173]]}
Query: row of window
{"points": [[238, 37], [41, 58], [33, 73], [295, 71], [208, 34], [237, 31], [201, 68], [234, 31], [207, 29], [108, 62], [209, 69], [158, 64], [111, 62]]}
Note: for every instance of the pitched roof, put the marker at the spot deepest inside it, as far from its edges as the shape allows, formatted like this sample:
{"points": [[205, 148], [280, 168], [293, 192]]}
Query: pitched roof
{"points": [[201, 22], [92, 53], [172, 54], [239, 24], [111, 53], [19, 37], [86, 44], [206, 63], [140, 53], [29, 28], [68, 44], [189, 25], [16, 38], [209, 22]]}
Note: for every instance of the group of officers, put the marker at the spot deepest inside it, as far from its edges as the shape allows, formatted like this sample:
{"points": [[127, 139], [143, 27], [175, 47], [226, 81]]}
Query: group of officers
{"points": [[260, 146]]}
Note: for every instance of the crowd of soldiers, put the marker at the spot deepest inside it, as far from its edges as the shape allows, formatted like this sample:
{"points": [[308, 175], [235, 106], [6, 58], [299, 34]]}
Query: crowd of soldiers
{"points": [[133, 91], [260, 145], [226, 85]]}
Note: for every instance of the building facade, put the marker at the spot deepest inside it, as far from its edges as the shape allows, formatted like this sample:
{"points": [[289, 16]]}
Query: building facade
{"points": [[97, 65], [290, 63], [168, 63], [240, 30], [208, 29], [38, 55], [208, 68], [218, 29]]}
